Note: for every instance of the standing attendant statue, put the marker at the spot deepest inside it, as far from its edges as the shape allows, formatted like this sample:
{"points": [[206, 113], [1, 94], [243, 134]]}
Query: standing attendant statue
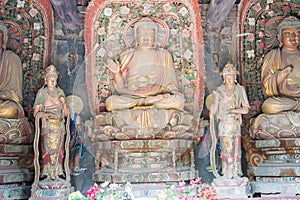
{"points": [[50, 107], [229, 102]]}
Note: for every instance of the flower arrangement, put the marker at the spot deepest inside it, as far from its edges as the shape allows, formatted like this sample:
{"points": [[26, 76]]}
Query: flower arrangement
{"points": [[104, 191], [181, 191], [194, 191]]}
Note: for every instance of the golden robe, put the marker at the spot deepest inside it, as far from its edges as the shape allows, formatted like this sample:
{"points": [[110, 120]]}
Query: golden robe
{"points": [[281, 97], [144, 79], [11, 86]]}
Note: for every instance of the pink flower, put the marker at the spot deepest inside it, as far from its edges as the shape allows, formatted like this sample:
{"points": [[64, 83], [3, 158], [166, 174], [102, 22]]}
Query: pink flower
{"points": [[167, 7], [124, 10], [261, 34], [101, 31], [271, 13], [206, 186], [196, 181], [257, 7], [19, 17], [250, 37], [181, 184], [186, 33], [33, 12], [262, 21], [92, 192], [261, 45], [36, 41]]}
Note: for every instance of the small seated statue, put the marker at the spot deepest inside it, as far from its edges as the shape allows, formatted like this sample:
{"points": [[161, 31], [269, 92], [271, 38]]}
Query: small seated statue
{"points": [[281, 85], [146, 97], [10, 80]]}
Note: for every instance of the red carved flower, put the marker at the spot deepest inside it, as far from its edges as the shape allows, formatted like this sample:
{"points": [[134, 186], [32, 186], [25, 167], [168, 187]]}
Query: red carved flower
{"points": [[286, 9], [250, 37], [262, 21], [261, 45]]}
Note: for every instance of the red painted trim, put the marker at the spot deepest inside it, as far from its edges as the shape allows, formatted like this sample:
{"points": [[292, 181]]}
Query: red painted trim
{"points": [[47, 13]]}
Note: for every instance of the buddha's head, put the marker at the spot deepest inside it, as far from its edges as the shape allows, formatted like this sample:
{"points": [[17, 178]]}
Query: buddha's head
{"points": [[145, 33], [289, 33]]}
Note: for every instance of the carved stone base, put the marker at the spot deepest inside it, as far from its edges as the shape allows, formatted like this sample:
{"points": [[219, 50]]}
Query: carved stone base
{"points": [[277, 172], [57, 194], [14, 191], [275, 189], [16, 136], [15, 179], [171, 176], [232, 188], [233, 191], [144, 160]]}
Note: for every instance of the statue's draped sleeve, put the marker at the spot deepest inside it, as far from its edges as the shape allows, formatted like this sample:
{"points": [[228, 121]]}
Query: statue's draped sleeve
{"points": [[125, 59], [40, 98], [170, 77], [269, 73], [242, 97]]}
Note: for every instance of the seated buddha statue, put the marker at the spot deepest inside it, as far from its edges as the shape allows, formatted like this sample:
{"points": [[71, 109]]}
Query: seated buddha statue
{"points": [[146, 96], [145, 76], [281, 70], [281, 85], [10, 80]]}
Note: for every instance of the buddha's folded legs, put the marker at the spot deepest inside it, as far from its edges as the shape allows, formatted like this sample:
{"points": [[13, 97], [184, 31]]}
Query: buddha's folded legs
{"points": [[162, 101], [274, 105], [116, 102], [8, 110]]}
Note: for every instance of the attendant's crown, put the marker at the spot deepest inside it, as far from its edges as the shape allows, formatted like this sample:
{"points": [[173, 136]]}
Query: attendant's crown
{"points": [[51, 72], [229, 69]]}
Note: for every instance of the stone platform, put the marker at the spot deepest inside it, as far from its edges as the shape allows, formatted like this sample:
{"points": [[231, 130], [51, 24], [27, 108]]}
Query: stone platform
{"points": [[145, 161], [278, 171], [168, 176]]}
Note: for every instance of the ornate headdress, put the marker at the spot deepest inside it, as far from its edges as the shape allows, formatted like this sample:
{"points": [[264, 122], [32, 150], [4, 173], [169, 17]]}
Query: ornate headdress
{"points": [[229, 69], [146, 22], [51, 72], [3, 28], [288, 22]]}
